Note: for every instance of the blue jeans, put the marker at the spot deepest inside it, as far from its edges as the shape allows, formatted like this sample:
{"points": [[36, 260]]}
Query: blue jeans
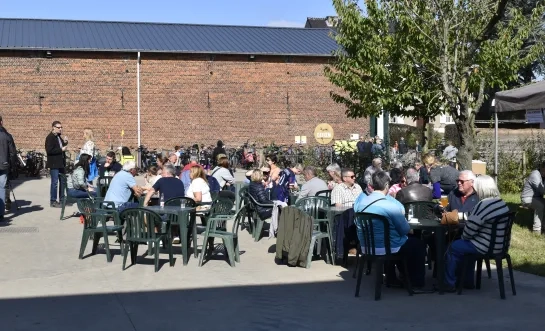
{"points": [[79, 193], [455, 256], [55, 185], [3, 180]]}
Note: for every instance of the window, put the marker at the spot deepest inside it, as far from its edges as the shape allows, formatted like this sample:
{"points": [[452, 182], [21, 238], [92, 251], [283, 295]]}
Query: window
{"points": [[446, 119]]}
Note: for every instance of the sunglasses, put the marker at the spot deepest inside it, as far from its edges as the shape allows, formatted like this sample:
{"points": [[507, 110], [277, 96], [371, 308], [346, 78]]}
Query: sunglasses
{"points": [[459, 181], [353, 177], [58, 127]]}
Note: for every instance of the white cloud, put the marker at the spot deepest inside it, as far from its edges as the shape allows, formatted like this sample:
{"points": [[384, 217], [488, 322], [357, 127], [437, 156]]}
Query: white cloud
{"points": [[286, 24]]}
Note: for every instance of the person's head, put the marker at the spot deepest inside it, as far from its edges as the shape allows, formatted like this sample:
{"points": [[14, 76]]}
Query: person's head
{"points": [[541, 169], [377, 163], [168, 171], [397, 165], [412, 176], [125, 151], [249, 174], [176, 148], [271, 159], [173, 158], [257, 176], [223, 162], [219, 156], [266, 172], [297, 169], [379, 141], [449, 142], [56, 128], [196, 172], [161, 161], [130, 166], [193, 159], [417, 142], [396, 176], [428, 160], [219, 143], [309, 172], [110, 157], [84, 160], [486, 187], [402, 138], [348, 177], [465, 182], [417, 165], [88, 135], [380, 182], [334, 171], [152, 171]]}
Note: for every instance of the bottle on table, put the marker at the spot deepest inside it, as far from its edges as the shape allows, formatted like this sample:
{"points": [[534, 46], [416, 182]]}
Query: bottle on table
{"points": [[162, 201]]}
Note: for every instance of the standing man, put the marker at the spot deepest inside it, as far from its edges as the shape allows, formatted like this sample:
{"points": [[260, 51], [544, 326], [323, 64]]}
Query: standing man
{"points": [[7, 154], [532, 196], [403, 146], [55, 147]]}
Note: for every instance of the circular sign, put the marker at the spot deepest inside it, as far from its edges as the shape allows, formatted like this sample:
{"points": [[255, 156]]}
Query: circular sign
{"points": [[323, 133]]}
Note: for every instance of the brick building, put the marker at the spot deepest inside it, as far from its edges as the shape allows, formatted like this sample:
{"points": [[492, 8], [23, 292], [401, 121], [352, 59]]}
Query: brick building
{"points": [[198, 83]]}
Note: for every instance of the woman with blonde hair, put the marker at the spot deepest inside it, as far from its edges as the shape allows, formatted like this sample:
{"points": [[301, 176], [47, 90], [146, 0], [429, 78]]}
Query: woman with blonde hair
{"points": [[198, 190], [89, 149]]}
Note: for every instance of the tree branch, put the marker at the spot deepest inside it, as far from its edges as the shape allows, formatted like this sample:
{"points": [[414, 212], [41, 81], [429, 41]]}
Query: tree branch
{"points": [[489, 29]]}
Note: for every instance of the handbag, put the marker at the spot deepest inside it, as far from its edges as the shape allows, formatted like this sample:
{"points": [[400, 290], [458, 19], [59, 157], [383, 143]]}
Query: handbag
{"points": [[450, 218]]}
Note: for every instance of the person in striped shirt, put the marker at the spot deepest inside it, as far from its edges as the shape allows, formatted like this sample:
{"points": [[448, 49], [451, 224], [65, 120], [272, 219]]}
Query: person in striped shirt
{"points": [[476, 237]]}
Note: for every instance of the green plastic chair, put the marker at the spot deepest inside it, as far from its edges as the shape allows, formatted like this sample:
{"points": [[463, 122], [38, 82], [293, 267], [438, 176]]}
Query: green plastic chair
{"points": [[140, 227], [95, 225], [103, 183], [66, 198], [325, 194], [215, 228], [258, 221], [221, 208], [245, 203], [177, 201], [317, 208]]}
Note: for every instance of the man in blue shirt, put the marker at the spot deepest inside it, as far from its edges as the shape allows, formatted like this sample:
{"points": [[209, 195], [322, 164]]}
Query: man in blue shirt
{"points": [[380, 203], [122, 187]]}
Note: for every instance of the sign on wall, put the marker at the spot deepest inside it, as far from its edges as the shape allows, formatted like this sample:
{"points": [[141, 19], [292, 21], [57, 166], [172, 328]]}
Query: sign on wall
{"points": [[534, 116], [323, 133]]}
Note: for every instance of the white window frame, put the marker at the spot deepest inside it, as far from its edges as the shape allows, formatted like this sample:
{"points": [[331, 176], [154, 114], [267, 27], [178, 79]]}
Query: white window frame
{"points": [[446, 119]]}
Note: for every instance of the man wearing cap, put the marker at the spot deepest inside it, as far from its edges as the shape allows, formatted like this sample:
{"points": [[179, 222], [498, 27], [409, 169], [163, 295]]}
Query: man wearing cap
{"points": [[122, 186]]}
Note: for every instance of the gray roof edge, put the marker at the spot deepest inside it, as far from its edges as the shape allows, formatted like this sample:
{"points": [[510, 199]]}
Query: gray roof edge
{"points": [[158, 51], [160, 23]]}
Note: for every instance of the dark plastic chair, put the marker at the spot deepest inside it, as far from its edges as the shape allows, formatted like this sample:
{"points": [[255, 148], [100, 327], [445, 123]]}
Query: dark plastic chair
{"points": [[95, 225], [424, 210], [506, 220], [221, 208], [177, 201], [258, 220], [66, 198], [144, 226], [317, 208], [215, 228], [103, 183], [245, 203], [367, 223], [325, 193]]}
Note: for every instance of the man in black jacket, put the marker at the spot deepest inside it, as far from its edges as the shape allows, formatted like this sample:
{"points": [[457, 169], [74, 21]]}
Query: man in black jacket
{"points": [[55, 147], [7, 154], [217, 151]]}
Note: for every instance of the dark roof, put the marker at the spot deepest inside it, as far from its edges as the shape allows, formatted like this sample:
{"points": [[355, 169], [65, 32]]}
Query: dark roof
{"points": [[38, 34], [316, 23]]}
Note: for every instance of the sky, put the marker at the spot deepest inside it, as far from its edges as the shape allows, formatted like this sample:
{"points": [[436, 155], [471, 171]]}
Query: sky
{"points": [[290, 13]]}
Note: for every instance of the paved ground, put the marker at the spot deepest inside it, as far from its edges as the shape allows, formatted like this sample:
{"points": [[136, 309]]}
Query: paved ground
{"points": [[44, 286]]}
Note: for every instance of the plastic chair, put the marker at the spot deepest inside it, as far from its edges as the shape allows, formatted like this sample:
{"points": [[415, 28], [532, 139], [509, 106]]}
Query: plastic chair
{"points": [[103, 183], [366, 222], [140, 226], [424, 210], [177, 201], [66, 198], [258, 220], [317, 208], [506, 220], [214, 229], [95, 225], [324, 193]]}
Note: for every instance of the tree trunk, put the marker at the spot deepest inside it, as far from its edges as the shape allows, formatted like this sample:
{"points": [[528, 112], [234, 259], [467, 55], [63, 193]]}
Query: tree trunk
{"points": [[423, 137], [466, 135]]}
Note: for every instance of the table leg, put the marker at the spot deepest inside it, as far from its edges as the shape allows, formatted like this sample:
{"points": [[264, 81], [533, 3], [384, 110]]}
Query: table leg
{"points": [[194, 234], [183, 234], [331, 220], [440, 242]]}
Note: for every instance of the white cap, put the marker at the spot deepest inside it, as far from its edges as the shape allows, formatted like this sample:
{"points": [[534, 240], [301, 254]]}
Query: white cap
{"points": [[129, 165]]}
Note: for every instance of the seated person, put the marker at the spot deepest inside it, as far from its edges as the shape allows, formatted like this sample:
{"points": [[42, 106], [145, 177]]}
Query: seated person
{"points": [[443, 179], [126, 155], [184, 177], [111, 166], [77, 180], [293, 171], [248, 176], [151, 177], [198, 189], [122, 187], [380, 203], [532, 196], [222, 173], [463, 198], [478, 231], [346, 192], [257, 191], [397, 181], [414, 191], [168, 185], [312, 185]]}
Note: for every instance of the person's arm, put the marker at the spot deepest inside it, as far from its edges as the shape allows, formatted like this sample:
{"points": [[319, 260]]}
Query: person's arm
{"points": [[151, 191], [226, 175], [474, 222], [398, 219], [336, 196], [436, 190]]}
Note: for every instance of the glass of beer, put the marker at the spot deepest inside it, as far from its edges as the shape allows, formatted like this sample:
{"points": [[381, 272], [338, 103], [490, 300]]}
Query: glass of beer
{"points": [[444, 201]]}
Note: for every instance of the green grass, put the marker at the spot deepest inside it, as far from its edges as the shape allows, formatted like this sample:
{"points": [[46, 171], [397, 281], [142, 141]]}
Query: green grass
{"points": [[527, 249]]}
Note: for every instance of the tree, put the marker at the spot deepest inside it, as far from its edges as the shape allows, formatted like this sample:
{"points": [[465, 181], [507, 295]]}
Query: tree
{"points": [[423, 58]]}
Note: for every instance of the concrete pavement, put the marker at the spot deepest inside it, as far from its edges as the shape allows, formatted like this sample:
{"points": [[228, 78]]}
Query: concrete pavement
{"points": [[44, 286]]}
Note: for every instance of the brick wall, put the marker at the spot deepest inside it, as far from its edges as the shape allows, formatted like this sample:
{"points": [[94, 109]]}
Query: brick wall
{"points": [[185, 99]]}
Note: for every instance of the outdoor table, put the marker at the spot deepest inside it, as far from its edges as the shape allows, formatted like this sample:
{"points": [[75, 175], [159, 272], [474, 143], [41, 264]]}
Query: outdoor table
{"points": [[183, 215], [440, 233]]}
